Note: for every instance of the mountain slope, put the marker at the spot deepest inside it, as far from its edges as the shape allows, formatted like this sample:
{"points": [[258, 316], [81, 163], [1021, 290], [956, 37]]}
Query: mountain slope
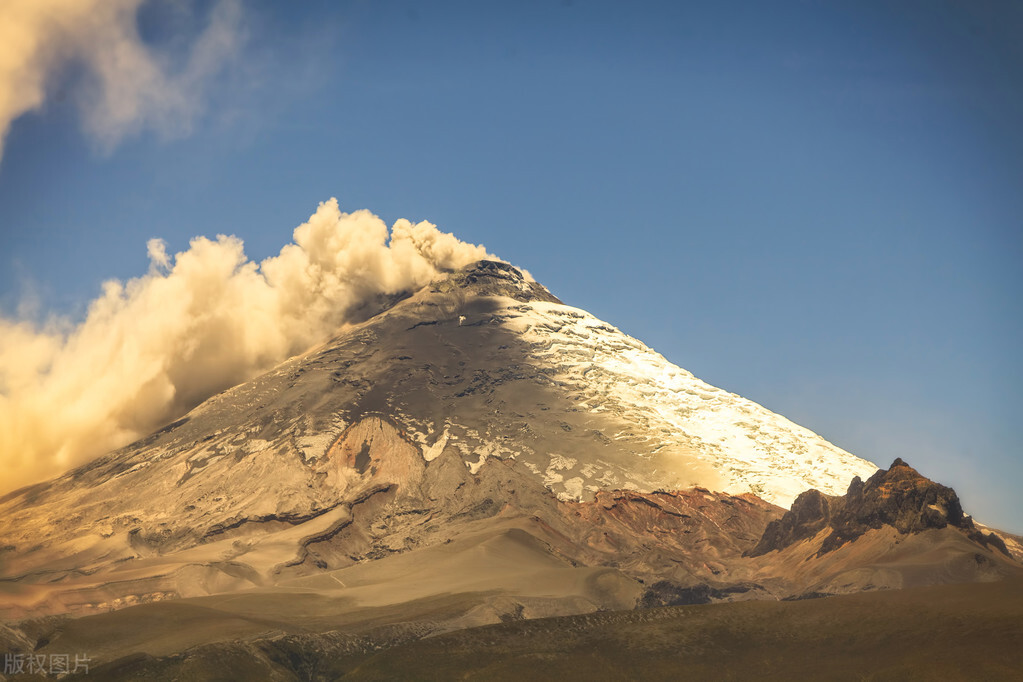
{"points": [[475, 406]]}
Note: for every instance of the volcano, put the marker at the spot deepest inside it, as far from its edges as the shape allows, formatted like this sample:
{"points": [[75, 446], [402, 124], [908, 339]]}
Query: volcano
{"points": [[472, 452]]}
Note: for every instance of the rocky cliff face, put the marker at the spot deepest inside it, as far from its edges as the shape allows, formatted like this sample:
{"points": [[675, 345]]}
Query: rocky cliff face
{"points": [[809, 515], [493, 278], [898, 497]]}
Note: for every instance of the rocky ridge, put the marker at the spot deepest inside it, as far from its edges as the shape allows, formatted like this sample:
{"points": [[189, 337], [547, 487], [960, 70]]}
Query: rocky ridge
{"points": [[898, 497]]}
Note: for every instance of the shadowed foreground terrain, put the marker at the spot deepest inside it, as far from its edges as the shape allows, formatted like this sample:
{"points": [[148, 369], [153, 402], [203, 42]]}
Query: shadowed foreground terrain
{"points": [[948, 632]]}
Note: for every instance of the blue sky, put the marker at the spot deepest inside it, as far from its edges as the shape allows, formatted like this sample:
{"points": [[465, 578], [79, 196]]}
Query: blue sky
{"points": [[816, 205]]}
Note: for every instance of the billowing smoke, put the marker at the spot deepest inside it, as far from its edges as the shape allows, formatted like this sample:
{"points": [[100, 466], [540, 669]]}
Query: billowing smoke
{"points": [[125, 86], [195, 324]]}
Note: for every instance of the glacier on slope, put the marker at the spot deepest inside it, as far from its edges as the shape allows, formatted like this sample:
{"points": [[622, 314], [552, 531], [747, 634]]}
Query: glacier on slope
{"points": [[668, 410]]}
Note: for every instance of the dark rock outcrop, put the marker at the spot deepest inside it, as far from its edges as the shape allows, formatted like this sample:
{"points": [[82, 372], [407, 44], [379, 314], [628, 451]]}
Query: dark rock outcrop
{"points": [[667, 593], [494, 278], [898, 497], [810, 513]]}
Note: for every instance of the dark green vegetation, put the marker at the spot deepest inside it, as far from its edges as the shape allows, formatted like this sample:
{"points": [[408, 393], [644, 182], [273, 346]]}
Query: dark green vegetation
{"points": [[949, 632]]}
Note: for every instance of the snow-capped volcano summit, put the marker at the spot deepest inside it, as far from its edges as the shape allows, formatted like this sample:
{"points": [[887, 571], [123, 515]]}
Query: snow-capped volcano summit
{"points": [[431, 391], [490, 364], [584, 405], [654, 424]]}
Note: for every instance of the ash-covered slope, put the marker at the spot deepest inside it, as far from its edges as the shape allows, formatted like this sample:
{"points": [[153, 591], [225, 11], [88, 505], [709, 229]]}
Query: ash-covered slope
{"points": [[417, 403]]}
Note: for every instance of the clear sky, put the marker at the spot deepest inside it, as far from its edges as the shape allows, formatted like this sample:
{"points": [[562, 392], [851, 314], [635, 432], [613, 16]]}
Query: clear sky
{"points": [[816, 205]]}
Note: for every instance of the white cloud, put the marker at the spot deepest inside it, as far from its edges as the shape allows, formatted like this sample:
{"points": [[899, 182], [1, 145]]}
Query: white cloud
{"points": [[126, 87]]}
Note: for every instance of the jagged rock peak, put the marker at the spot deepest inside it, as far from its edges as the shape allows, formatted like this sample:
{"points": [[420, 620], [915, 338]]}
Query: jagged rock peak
{"points": [[899, 497], [810, 514], [495, 278]]}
